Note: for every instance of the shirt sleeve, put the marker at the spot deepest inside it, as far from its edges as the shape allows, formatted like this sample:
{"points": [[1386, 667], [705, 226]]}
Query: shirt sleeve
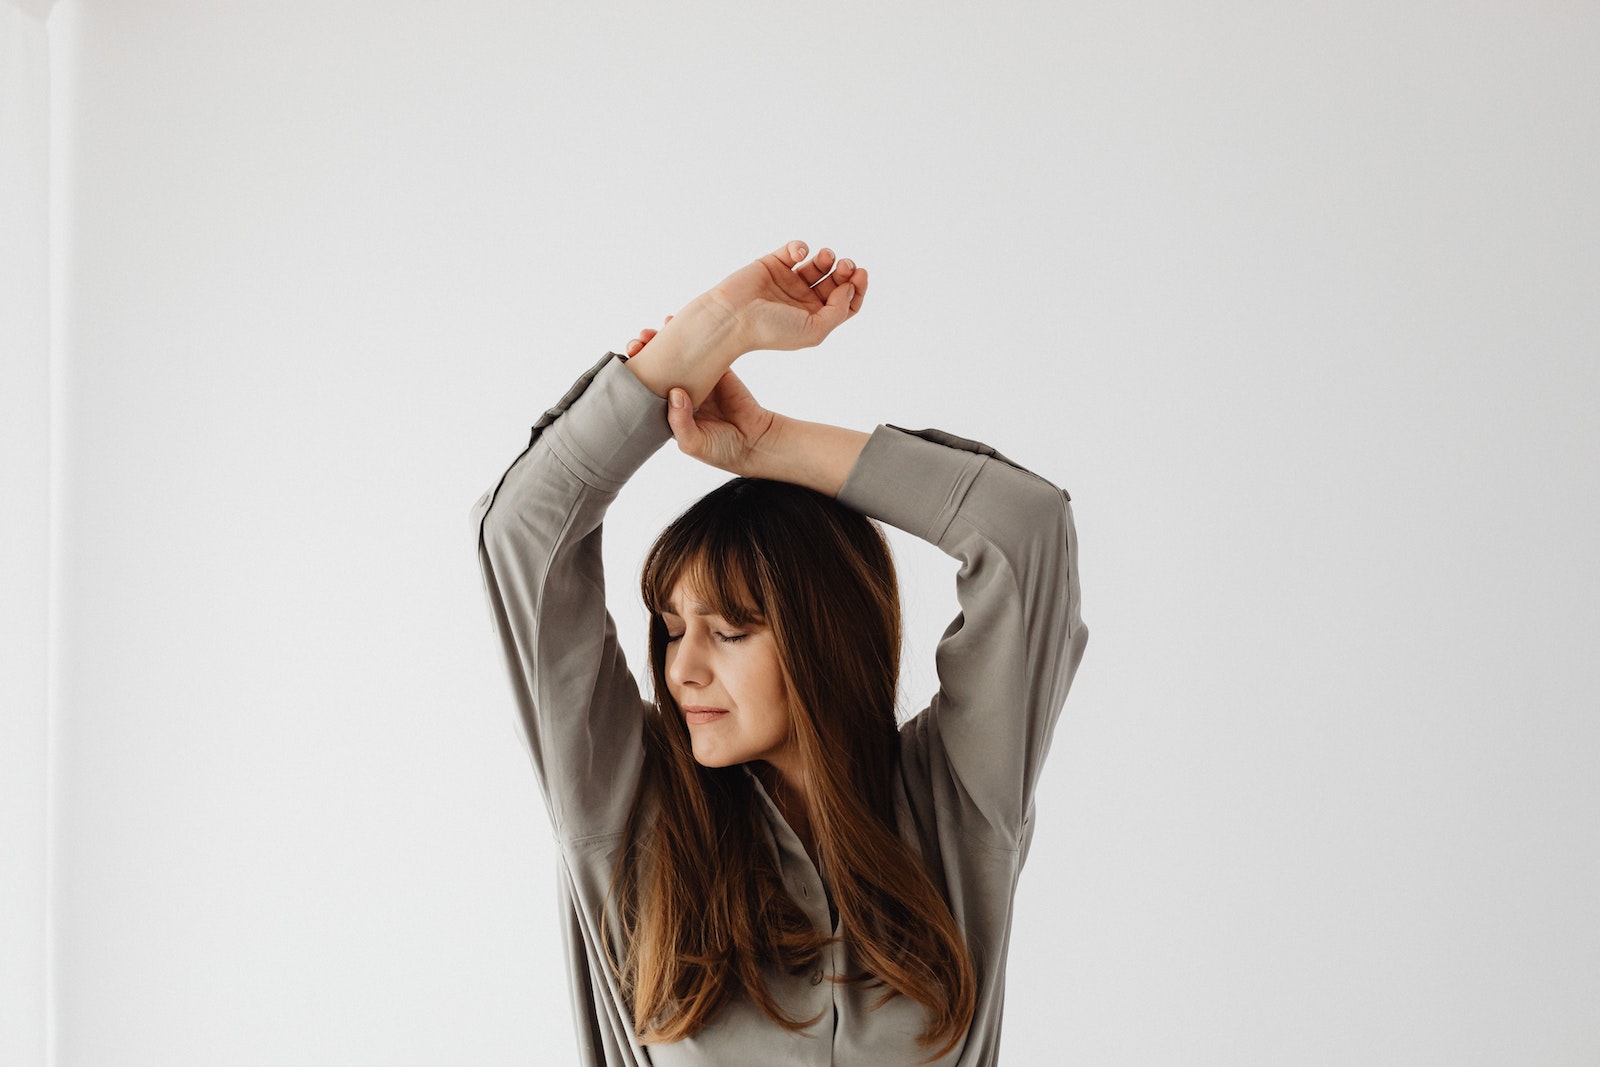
{"points": [[1006, 661], [538, 534]]}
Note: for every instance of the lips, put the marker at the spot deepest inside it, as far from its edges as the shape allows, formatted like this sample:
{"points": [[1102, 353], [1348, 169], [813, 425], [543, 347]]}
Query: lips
{"points": [[697, 715]]}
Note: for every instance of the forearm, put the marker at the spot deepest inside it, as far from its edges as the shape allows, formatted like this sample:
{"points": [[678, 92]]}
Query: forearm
{"points": [[539, 533], [691, 352], [812, 454]]}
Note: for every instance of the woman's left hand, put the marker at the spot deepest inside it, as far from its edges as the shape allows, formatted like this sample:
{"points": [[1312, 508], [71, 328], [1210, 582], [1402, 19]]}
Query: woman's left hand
{"points": [[725, 429]]}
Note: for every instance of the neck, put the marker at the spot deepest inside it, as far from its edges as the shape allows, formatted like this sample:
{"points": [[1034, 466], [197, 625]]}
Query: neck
{"points": [[788, 792]]}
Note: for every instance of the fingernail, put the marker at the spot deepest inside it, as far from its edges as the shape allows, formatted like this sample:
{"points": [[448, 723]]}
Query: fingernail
{"points": [[677, 398]]}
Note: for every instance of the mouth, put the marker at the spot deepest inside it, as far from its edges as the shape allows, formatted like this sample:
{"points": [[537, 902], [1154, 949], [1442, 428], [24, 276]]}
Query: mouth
{"points": [[697, 715]]}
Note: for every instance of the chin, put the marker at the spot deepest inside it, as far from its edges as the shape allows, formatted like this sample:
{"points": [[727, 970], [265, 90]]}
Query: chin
{"points": [[713, 760]]}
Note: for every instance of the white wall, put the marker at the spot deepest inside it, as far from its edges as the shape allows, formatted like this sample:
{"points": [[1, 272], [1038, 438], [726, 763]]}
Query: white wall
{"points": [[1297, 301], [24, 527]]}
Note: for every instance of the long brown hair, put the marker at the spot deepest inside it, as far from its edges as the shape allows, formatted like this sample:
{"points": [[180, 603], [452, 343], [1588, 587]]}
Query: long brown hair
{"points": [[700, 901]]}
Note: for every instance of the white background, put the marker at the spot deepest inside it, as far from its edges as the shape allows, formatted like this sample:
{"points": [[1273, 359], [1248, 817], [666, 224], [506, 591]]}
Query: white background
{"points": [[1298, 301]]}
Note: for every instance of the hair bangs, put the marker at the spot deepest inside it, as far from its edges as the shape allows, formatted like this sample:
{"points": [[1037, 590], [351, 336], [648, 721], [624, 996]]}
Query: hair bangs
{"points": [[718, 569]]}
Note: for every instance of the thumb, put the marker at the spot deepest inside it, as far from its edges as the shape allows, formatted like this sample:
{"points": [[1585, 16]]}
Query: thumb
{"points": [[680, 417]]}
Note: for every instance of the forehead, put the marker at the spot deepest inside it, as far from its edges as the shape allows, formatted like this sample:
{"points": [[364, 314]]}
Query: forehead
{"points": [[684, 597], [694, 607]]}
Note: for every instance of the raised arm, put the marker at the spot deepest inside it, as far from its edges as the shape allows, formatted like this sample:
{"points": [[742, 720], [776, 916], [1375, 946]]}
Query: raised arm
{"points": [[539, 550], [1006, 661], [538, 530]]}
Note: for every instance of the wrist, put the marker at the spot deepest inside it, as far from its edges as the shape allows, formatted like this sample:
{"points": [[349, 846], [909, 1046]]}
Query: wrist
{"points": [[765, 458], [812, 454], [692, 351], [722, 316]]}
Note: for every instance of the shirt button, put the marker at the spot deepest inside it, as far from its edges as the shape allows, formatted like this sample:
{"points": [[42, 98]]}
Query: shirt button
{"points": [[816, 977], [805, 890]]}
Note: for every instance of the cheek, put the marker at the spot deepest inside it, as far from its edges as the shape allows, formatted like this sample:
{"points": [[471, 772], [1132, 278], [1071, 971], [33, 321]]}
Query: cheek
{"points": [[774, 698]]}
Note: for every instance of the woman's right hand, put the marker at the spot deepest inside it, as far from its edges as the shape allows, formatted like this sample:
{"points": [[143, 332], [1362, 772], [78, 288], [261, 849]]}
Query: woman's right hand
{"points": [[780, 303], [777, 302]]}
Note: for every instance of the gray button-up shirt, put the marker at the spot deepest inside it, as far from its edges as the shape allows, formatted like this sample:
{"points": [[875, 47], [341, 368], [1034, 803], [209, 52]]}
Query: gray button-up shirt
{"points": [[968, 761]]}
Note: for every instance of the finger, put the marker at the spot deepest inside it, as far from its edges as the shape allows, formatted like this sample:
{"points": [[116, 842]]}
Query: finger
{"points": [[816, 269], [639, 342], [840, 275], [791, 253], [858, 278], [837, 309], [725, 393]]}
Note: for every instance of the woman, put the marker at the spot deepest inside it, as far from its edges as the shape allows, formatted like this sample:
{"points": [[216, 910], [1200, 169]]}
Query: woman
{"points": [[760, 867]]}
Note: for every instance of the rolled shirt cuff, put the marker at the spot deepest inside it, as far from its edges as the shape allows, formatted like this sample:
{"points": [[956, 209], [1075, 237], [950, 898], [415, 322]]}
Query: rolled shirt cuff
{"points": [[622, 424]]}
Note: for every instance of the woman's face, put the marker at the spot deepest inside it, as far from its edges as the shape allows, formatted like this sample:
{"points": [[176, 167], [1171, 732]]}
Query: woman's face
{"points": [[727, 682]]}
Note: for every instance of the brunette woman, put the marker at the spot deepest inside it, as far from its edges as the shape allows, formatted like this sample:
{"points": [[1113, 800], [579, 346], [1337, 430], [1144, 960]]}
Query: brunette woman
{"points": [[760, 866]]}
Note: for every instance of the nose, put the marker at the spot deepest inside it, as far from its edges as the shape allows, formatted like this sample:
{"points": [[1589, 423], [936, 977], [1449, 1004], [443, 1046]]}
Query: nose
{"points": [[687, 664]]}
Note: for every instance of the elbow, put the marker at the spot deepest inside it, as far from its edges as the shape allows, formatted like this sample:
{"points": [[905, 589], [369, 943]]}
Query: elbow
{"points": [[1032, 513], [1042, 528], [1046, 562]]}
